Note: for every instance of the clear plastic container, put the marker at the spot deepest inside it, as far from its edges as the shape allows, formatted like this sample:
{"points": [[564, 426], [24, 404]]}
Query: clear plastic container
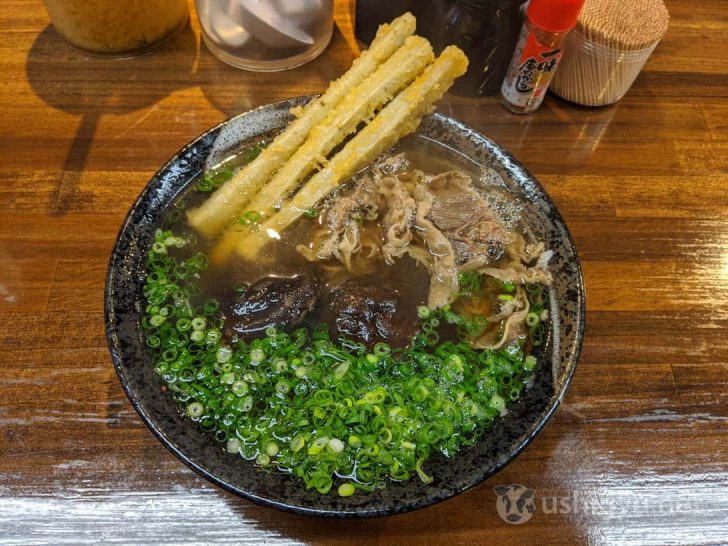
{"points": [[266, 35], [122, 29], [593, 74]]}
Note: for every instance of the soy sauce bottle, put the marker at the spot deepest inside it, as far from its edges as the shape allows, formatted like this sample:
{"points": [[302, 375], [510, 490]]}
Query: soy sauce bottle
{"points": [[487, 31], [430, 15]]}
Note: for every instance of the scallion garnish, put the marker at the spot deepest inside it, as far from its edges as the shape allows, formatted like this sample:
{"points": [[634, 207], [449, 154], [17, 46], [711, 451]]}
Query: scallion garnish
{"points": [[322, 408]]}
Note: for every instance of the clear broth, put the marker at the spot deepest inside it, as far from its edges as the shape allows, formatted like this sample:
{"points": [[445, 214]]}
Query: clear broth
{"points": [[280, 257]]}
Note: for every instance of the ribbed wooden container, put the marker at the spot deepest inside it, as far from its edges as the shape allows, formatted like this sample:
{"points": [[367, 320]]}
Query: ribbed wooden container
{"points": [[608, 48]]}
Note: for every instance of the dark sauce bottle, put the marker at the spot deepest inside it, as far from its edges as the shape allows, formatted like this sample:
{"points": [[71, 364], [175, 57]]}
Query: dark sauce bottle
{"points": [[430, 16], [487, 31], [372, 13]]}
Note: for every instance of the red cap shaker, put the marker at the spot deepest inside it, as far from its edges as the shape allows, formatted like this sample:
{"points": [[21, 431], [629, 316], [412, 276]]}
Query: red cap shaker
{"points": [[554, 15], [538, 53]]}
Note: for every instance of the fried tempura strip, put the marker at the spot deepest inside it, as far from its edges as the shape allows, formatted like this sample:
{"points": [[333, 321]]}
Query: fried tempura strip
{"points": [[360, 105], [219, 210], [399, 118]]}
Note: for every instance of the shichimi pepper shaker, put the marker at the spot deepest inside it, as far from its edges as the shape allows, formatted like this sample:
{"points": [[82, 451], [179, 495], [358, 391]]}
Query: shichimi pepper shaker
{"points": [[538, 53]]}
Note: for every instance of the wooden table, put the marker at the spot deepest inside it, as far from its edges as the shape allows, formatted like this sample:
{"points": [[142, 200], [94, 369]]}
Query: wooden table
{"points": [[637, 454]]}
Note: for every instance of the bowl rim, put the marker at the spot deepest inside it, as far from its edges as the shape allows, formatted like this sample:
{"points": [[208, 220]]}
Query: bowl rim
{"points": [[546, 415]]}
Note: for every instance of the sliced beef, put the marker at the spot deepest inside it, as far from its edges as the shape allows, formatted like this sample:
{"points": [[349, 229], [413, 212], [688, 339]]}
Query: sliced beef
{"points": [[398, 220], [273, 301], [441, 259], [343, 219], [466, 219]]}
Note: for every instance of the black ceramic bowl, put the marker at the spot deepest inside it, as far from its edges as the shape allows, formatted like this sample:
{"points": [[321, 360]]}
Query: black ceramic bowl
{"points": [[501, 444]]}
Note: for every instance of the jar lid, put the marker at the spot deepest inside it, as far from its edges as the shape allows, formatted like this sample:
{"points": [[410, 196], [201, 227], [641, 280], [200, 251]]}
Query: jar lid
{"points": [[624, 24]]}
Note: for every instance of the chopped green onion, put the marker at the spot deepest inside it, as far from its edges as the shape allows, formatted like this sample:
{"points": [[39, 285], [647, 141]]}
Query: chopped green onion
{"points": [[195, 410], [297, 443], [157, 320], [233, 445], [322, 408], [382, 349], [246, 404], [341, 370], [497, 403], [239, 388], [271, 449], [310, 212], [421, 473], [159, 248], [346, 490], [323, 484], [456, 361], [214, 179], [250, 218], [318, 445], [336, 445], [253, 151], [224, 354], [183, 324], [280, 365]]}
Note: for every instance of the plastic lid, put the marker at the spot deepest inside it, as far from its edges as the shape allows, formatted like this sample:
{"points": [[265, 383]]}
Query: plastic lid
{"points": [[554, 15]]}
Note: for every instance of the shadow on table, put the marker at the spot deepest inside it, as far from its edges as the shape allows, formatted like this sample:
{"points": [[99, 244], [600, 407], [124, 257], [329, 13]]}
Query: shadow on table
{"points": [[89, 87], [469, 518], [403, 527], [233, 91]]}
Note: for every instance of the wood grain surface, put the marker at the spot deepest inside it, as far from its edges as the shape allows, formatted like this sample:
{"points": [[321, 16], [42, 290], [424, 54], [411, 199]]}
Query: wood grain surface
{"points": [[637, 454]]}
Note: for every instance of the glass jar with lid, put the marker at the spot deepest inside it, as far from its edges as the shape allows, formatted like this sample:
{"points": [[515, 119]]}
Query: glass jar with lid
{"points": [[266, 35], [111, 27]]}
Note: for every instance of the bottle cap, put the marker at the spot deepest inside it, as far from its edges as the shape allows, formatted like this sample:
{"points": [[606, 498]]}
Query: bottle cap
{"points": [[554, 15]]}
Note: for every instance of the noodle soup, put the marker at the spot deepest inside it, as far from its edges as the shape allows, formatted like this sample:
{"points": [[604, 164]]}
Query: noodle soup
{"points": [[393, 321]]}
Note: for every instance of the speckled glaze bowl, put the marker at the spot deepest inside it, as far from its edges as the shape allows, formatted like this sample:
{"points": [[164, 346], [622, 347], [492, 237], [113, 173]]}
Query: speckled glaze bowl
{"points": [[501, 444]]}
